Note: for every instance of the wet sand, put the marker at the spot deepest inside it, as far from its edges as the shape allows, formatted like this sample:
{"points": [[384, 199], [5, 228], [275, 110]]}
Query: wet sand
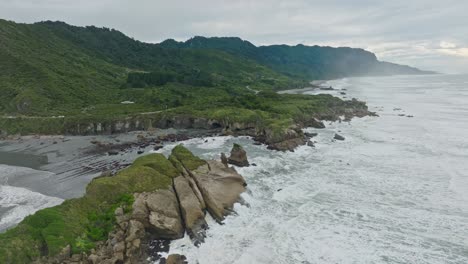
{"points": [[64, 165]]}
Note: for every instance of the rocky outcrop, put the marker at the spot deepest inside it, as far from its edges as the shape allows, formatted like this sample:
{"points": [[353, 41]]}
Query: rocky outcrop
{"points": [[277, 138], [192, 210], [176, 259], [220, 186], [166, 213], [338, 137], [238, 156], [224, 160], [286, 139], [159, 213]]}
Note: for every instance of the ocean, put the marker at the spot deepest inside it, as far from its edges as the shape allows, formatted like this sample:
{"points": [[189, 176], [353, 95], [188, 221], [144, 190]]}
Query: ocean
{"points": [[18, 202], [395, 191]]}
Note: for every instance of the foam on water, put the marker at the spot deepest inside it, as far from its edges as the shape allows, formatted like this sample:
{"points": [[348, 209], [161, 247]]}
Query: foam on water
{"points": [[17, 203], [395, 191]]}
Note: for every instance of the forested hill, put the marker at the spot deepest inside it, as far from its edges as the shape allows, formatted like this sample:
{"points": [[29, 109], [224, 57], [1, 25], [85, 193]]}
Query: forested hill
{"points": [[311, 62], [52, 68]]}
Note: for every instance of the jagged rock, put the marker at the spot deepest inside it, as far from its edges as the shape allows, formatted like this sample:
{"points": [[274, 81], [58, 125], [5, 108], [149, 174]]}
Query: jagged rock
{"points": [[224, 160], [76, 258], [238, 156], [119, 247], [287, 139], [158, 147], [192, 211], [221, 187], [164, 219], [338, 137], [64, 254], [315, 123], [121, 218], [140, 210], [197, 191], [310, 143], [93, 258], [135, 232], [176, 259], [310, 135]]}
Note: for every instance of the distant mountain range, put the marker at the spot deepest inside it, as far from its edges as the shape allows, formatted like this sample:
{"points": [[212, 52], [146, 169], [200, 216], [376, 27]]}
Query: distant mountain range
{"points": [[52, 66], [310, 62]]}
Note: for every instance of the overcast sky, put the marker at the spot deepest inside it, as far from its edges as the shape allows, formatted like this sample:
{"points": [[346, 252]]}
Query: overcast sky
{"points": [[430, 34]]}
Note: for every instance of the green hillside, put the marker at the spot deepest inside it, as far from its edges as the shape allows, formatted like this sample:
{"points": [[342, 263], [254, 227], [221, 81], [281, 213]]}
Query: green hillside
{"points": [[52, 68], [310, 62], [40, 72]]}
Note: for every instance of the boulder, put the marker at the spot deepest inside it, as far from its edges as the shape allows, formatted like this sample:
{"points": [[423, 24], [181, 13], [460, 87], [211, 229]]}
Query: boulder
{"points": [[64, 254], [286, 139], [338, 137], [164, 218], [140, 210], [310, 135], [176, 259], [220, 186], [135, 232], [315, 123], [191, 209], [238, 156]]}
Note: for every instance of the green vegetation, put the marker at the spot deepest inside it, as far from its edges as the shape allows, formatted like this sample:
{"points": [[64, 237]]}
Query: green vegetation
{"points": [[183, 155], [159, 163], [309, 62], [53, 69], [82, 222]]}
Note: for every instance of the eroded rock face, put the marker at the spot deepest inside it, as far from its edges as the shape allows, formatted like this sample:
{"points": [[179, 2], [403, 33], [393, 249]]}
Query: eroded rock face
{"points": [[238, 156], [191, 209], [224, 160], [220, 186], [164, 216], [176, 259], [289, 139]]}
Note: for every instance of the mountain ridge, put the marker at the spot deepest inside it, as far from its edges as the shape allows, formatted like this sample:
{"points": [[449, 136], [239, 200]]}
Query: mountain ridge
{"points": [[53, 68], [274, 56]]}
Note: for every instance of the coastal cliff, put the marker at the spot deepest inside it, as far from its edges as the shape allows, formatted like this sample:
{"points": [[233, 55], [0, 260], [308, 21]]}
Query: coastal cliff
{"points": [[278, 131], [119, 217]]}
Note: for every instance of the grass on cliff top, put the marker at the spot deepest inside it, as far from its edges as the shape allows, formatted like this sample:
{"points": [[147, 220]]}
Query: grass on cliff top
{"points": [[82, 222], [159, 163], [228, 105], [183, 155]]}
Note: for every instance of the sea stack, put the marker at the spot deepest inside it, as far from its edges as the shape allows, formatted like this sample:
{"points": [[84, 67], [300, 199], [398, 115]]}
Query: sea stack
{"points": [[238, 156]]}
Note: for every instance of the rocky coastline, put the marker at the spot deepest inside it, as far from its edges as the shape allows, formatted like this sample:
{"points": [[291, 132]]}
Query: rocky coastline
{"points": [[283, 138], [191, 187], [186, 188]]}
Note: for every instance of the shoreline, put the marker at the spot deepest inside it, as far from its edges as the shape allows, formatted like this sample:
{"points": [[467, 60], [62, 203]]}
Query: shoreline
{"points": [[73, 161]]}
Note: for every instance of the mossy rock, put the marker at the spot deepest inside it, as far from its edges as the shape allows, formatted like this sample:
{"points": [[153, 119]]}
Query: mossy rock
{"points": [[158, 162], [190, 161], [83, 221]]}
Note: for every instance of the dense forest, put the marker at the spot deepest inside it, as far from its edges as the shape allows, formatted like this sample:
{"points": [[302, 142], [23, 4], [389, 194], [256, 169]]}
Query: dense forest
{"points": [[52, 68]]}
